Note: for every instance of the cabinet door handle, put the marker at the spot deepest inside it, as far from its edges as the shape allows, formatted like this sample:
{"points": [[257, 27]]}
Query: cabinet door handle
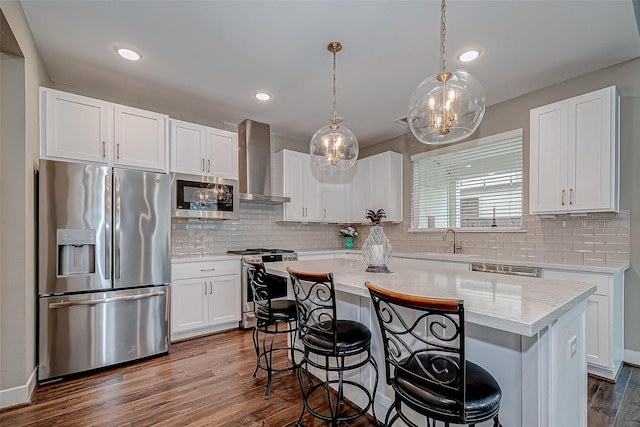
{"points": [[205, 287], [325, 213], [563, 194], [302, 209], [104, 149], [118, 151], [210, 288], [202, 164], [208, 165], [571, 196], [208, 269]]}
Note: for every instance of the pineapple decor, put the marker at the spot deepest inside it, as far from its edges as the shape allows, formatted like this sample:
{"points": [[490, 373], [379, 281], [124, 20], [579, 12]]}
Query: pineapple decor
{"points": [[376, 249]]}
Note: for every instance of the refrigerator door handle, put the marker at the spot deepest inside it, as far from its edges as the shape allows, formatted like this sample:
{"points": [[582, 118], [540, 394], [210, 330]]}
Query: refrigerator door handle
{"points": [[64, 304], [116, 255], [107, 234]]}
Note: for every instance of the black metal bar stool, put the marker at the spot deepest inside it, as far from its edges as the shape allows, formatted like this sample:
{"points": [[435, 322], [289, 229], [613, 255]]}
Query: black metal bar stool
{"points": [[327, 339], [273, 317], [426, 364]]}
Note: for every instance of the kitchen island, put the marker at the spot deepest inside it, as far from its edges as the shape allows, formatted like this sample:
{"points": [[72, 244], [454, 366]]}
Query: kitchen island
{"points": [[529, 333]]}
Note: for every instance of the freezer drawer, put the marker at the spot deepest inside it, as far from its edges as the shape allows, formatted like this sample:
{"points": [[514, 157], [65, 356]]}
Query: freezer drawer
{"points": [[87, 331]]}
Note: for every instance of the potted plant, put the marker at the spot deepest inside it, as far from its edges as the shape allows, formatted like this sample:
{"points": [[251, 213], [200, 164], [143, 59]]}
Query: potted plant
{"points": [[349, 233]]}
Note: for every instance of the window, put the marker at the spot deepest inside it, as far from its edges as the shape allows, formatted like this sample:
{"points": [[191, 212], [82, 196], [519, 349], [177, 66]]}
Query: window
{"points": [[474, 184]]}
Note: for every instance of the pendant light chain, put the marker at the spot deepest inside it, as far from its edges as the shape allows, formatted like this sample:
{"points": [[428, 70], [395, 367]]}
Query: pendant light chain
{"points": [[334, 88], [443, 32]]}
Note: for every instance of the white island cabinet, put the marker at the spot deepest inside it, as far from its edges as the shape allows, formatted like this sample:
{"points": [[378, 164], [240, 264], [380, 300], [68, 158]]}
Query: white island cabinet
{"points": [[529, 333], [81, 129], [205, 297]]}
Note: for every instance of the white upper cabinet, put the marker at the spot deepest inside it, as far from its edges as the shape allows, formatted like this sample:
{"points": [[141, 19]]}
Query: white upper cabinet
{"points": [[140, 140], [201, 150], [378, 185], [341, 197], [187, 147], [222, 153], [78, 128], [294, 179], [574, 155], [75, 127]]}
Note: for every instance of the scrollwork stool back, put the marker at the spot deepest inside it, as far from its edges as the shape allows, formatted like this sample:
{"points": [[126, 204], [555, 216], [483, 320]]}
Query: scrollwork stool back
{"points": [[331, 346], [425, 361]]}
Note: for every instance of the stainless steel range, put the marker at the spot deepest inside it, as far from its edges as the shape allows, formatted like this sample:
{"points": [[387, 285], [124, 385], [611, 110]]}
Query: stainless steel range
{"points": [[278, 287]]}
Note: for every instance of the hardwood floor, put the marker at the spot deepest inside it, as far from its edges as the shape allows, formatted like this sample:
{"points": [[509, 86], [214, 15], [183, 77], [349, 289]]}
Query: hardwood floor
{"points": [[202, 382], [208, 382], [618, 404]]}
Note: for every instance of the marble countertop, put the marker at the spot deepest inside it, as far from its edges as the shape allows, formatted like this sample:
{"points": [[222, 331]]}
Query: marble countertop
{"points": [[438, 256], [521, 305], [469, 258]]}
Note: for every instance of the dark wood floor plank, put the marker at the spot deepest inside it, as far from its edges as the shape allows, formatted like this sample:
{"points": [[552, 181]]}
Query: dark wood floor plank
{"points": [[608, 396], [629, 413], [208, 382]]}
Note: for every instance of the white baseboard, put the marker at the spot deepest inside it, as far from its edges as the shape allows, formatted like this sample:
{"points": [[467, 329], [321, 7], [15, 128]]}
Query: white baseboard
{"points": [[17, 395], [632, 357]]}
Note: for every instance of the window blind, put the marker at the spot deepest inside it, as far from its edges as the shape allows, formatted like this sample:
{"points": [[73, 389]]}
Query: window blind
{"points": [[479, 186]]}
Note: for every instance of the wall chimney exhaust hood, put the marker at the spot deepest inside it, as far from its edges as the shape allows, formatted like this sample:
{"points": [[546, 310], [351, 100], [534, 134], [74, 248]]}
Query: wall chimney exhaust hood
{"points": [[254, 158]]}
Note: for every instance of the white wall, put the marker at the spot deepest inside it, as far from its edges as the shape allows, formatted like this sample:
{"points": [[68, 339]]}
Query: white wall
{"points": [[19, 159]]}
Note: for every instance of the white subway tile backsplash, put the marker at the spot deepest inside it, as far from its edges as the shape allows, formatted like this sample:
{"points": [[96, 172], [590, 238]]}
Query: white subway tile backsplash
{"points": [[574, 258], [617, 258], [618, 239], [594, 240], [606, 248]]}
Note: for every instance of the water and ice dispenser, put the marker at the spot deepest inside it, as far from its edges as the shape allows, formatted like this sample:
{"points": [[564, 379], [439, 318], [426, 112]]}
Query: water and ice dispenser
{"points": [[76, 251]]}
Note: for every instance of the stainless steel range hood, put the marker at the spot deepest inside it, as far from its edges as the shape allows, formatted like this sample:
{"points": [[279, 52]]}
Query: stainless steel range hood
{"points": [[254, 158]]}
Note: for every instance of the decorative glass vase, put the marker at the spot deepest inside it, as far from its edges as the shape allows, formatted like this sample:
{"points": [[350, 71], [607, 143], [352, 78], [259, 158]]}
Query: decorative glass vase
{"points": [[376, 250], [348, 242]]}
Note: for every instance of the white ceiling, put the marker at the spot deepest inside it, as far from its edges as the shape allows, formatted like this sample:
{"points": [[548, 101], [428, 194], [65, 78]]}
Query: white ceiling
{"points": [[205, 59]]}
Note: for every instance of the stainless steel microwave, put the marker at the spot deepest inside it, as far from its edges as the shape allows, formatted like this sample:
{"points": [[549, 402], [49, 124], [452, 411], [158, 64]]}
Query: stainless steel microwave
{"points": [[195, 196]]}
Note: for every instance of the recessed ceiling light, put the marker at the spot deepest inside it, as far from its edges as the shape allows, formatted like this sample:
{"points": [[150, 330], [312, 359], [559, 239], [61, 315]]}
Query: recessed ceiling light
{"points": [[263, 96], [128, 54], [469, 55], [467, 166]]}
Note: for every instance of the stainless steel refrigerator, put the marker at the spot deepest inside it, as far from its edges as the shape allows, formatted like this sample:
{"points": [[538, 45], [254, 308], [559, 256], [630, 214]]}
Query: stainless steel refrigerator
{"points": [[104, 267]]}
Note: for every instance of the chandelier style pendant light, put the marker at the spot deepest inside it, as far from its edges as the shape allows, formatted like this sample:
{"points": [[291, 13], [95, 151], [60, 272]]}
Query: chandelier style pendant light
{"points": [[334, 146], [448, 106]]}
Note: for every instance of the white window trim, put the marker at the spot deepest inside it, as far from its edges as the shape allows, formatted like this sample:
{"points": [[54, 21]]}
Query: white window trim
{"points": [[469, 144]]}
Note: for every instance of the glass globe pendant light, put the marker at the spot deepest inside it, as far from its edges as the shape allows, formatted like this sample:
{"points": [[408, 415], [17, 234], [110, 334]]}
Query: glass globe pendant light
{"points": [[334, 146], [448, 106]]}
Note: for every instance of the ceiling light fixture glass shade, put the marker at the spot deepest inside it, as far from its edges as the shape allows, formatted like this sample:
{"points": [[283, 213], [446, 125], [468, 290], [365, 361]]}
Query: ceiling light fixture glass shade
{"points": [[334, 146], [446, 107], [129, 54]]}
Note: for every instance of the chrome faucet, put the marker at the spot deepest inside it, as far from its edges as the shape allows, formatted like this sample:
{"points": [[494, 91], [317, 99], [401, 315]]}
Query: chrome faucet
{"points": [[457, 248]]}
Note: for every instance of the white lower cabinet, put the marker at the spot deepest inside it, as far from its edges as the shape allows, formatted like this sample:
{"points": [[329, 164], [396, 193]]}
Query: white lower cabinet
{"points": [[605, 320], [205, 297]]}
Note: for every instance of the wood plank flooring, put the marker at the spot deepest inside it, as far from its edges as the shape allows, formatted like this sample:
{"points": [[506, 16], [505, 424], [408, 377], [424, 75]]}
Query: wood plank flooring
{"points": [[208, 382]]}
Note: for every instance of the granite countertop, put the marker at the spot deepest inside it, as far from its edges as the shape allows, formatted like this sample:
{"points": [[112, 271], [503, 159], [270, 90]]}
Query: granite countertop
{"points": [[521, 305]]}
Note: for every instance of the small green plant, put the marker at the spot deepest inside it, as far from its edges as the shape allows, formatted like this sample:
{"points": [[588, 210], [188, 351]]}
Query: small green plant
{"points": [[348, 232], [376, 217]]}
